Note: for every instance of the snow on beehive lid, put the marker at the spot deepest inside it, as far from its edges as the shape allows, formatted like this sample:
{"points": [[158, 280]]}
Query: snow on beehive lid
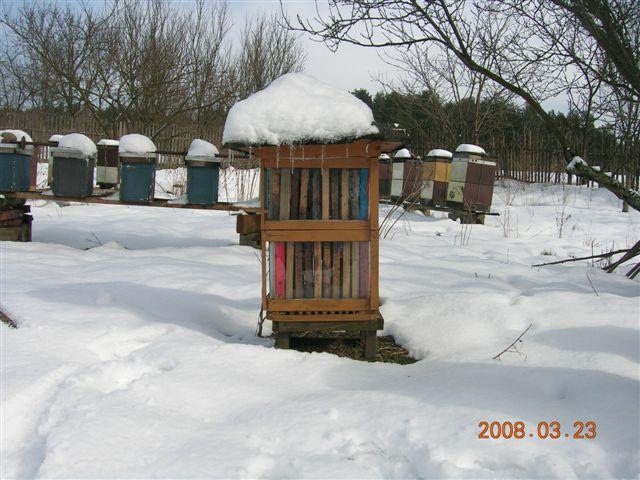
{"points": [[403, 153], [134, 143], [14, 135], [470, 148], [107, 142], [296, 108], [203, 151], [76, 144], [384, 156], [55, 137], [438, 152]]}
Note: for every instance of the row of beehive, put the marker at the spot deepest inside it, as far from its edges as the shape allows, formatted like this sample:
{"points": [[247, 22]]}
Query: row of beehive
{"points": [[462, 180], [71, 170]]}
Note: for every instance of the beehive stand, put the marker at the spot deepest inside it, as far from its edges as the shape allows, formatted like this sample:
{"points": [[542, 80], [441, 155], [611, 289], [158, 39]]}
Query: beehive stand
{"points": [[319, 228]]}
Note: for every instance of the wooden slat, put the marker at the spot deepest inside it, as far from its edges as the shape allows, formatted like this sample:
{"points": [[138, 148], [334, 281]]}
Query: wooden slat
{"points": [[317, 270], [326, 269], [316, 194], [359, 148], [336, 280], [364, 270], [289, 270], [295, 193], [374, 174], [335, 194], [354, 193], [308, 325], [298, 282], [355, 269], [285, 194], [346, 270], [374, 245], [274, 191], [317, 305], [363, 210], [307, 270], [280, 270], [353, 162], [325, 317], [317, 225], [344, 199], [263, 243], [317, 236], [325, 194], [230, 207], [304, 193]]}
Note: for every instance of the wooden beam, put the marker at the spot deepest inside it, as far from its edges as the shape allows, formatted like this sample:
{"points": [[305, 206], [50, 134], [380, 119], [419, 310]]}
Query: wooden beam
{"points": [[230, 207]]}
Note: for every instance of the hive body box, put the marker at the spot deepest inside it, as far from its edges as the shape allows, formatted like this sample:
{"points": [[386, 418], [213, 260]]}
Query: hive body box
{"points": [[53, 142], [385, 171], [15, 167], [137, 177], [471, 184], [107, 166], [202, 180], [406, 180], [320, 234], [436, 172], [72, 173]]}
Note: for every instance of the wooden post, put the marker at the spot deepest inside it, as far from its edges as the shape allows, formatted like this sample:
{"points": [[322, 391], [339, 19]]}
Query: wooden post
{"points": [[283, 340], [370, 345]]}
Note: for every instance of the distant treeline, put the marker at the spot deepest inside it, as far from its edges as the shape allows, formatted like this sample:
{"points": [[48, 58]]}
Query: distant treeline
{"points": [[512, 134]]}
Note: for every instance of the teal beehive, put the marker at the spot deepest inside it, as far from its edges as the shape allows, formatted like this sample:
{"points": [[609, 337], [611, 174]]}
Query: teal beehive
{"points": [[137, 168], [15, 161], [203, 172]]}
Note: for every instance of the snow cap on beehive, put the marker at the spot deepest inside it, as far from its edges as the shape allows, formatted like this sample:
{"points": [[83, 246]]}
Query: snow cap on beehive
{"points": [[136, 144], [470, 148], [11, 138], [14, 136], [296, 108], [55, 138], [75, 145], [107, 142], [202, 151], [439, 153], [403, 153]]}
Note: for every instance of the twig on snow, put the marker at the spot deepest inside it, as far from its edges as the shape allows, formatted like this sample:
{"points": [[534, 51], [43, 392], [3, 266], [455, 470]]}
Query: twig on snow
{"points": [[514, 344], [591, 283]]}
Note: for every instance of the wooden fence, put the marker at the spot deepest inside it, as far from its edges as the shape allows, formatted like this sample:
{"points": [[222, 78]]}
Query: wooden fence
{"points": [[41, 126], [532, 159]]}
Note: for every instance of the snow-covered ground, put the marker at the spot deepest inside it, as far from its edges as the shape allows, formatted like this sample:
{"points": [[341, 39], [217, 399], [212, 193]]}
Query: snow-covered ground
{"points": [[135, 354]]}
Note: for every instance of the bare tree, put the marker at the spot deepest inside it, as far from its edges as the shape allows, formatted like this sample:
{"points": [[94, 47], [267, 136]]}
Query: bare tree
{"points": [[267, 51], [534, 49], [148, 63]]}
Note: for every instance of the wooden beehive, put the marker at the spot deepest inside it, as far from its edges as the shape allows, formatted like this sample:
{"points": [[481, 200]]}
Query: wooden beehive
{"points": [[385, 166], [471, 184], [406, 179], [436, 172], [320, 233]]}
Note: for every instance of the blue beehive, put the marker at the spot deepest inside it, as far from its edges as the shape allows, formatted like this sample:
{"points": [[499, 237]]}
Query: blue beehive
{"points": [[137, 168], [203, 171], [15, 161]]}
